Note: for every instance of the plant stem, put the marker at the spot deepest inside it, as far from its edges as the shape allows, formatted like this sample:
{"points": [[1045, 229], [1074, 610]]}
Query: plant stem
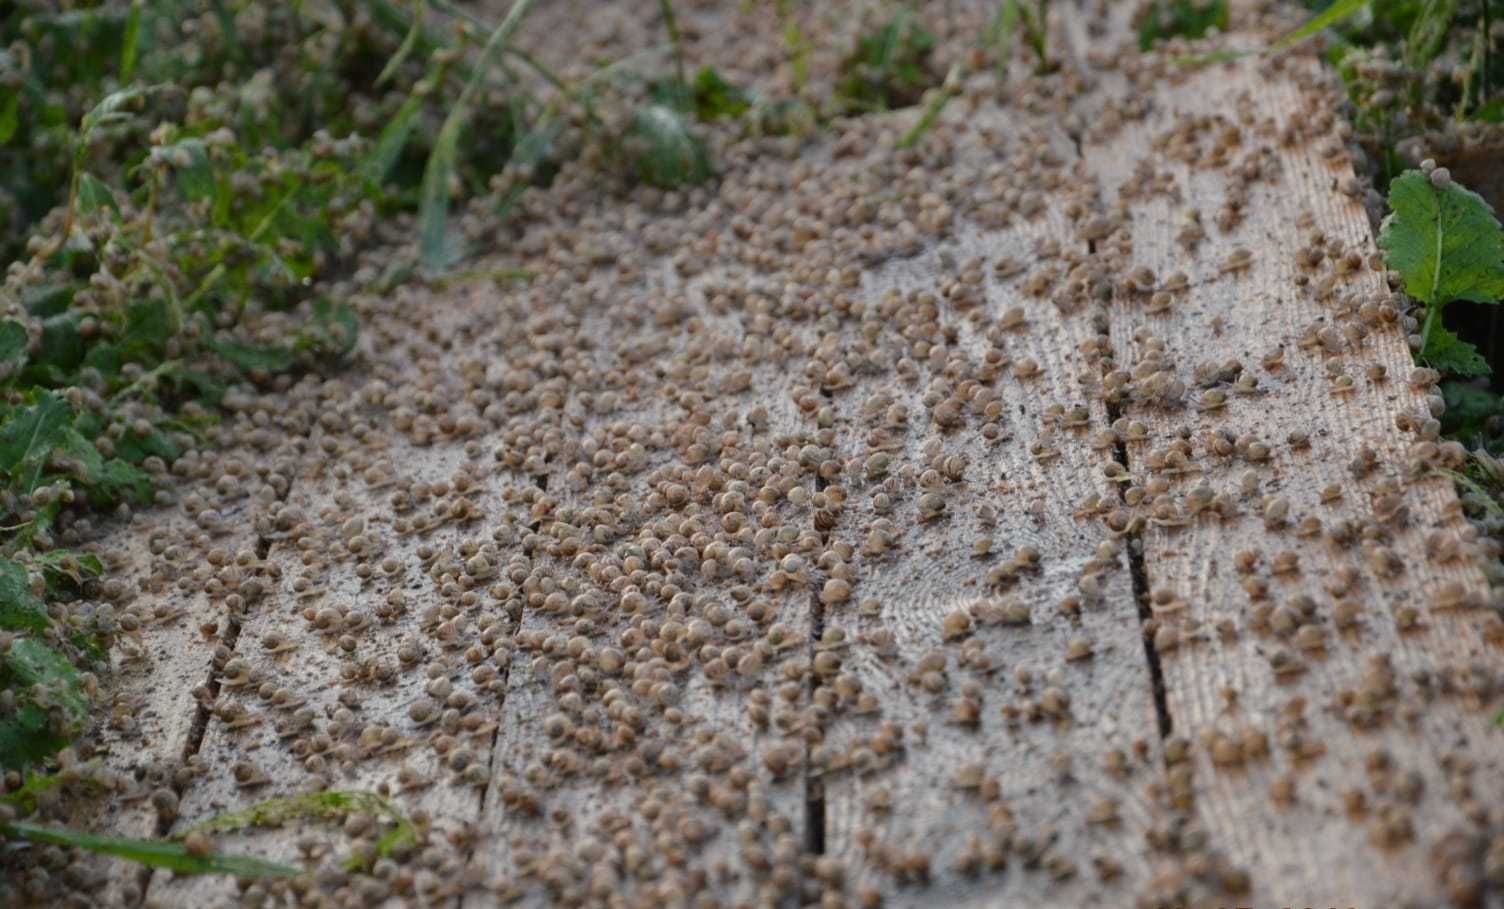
{"points": [[673, 36], [1488, 40], [1425, 331]]}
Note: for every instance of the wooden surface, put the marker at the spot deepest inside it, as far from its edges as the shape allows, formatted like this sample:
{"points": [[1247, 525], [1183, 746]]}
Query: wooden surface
{"points": [[836, 536]]}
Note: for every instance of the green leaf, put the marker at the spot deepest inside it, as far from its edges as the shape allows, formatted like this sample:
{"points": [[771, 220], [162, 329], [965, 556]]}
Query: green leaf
{"points": [[29, 735], [30, 433], [10, 115], [195, 172], [130, 44], [121, 479], [148, 326], [62, 347], [13, 344], [1445, 243], [111, 110], [20, 609], [94, 194], [154, 853], [1429, 33], [49, 299], [250, 357], [1449, 353], [667, 153], [1324, 19], [76, 567], [27, 738]]}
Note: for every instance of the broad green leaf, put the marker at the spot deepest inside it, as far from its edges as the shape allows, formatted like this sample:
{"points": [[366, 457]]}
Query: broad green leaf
{"points": [[1449, 353], [154, 853], [30, 433], [20, 609], [27, 738], [13, 343], [130, 44], [49, 299], [62, 347], [148, 326], [66, 563], [1429, 33], [29, 734], [31, 662], [195, 172], [86, 461], [1445, 243], [667, 153], [121, 479]]}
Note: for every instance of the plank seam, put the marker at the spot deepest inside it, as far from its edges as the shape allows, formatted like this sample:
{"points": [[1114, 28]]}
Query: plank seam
{"points": [[814, 789], [505, 675], [200, 726]]}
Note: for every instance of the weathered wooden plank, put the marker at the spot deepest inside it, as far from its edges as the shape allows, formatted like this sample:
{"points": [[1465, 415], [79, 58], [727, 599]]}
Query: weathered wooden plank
{"points": [[989, 657], [1326, 678], [169, 603], [357, 667], [633, 767]]}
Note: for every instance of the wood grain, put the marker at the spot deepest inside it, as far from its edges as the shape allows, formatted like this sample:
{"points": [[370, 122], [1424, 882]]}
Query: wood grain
{"points": [[1381, 762]]}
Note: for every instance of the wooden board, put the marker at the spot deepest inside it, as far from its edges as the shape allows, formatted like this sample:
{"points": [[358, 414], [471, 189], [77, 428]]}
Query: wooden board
{"points": [[1354, 648]]}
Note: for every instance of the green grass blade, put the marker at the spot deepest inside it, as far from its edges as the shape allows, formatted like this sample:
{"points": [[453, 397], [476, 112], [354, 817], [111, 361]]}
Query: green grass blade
{"points": [[434, 249], [1429, 33], [408, 43], [1325, 19], [947, 91], [1333, 14], [388, 148], [130, 45], [331, 803], [155, 853]]}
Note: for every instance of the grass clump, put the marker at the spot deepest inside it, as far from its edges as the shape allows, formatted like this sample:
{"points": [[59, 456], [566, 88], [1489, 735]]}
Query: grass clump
{"points": [[888, 68], [1161, 20]]}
